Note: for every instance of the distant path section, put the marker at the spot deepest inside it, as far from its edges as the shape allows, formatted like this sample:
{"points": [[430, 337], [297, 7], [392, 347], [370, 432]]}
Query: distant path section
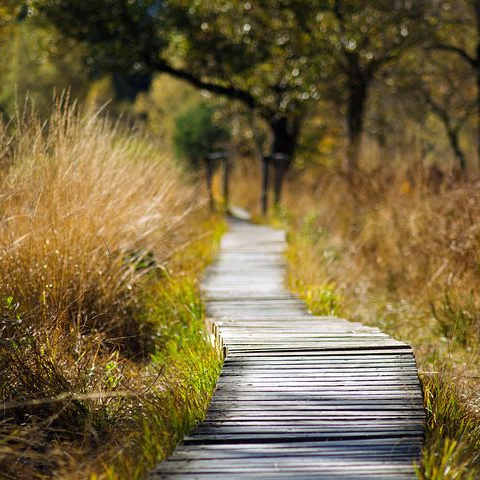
{"points": [[300, 396]]}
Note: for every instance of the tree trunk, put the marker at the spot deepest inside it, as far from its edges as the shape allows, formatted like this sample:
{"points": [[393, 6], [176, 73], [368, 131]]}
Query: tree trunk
{"points": [[476, 65], [357, 99], [265, 184], [455, 144], [280, 169], [209, 178], [477, 72]]}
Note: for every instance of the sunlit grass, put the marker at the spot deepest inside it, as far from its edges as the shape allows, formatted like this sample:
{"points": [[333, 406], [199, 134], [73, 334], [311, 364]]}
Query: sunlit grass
{"points": [[452, 447], [186, 367]]}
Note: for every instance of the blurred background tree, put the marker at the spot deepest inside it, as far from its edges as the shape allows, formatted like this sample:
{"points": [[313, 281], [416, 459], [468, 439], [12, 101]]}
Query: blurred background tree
{"points": [[41, 63], [254, 55], [457, 34], [450, 96], [363, 38], [163, 102], [296, 78]]}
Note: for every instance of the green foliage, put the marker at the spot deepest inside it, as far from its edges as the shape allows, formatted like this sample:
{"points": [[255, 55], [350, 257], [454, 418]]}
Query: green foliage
{"points": [[321, 296], [163, 103], [122, 35], [284, 62], [140, 260], [458, 319], [40, 64], [452, 449], [291, 60], [310, 231], [321, 299], [186, 368], [198, 132]]}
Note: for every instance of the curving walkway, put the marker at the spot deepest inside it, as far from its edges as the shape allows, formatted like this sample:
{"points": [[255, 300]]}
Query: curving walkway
{"points": [[299, 396]]}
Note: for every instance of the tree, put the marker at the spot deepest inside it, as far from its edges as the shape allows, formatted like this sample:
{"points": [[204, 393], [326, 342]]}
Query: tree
{"points": [[273, 57], [364, 37], [257, 55], [449, 97], [12, 14], [457, 26], [257, 51], [39, 64], [197, 133], [166, 99]]}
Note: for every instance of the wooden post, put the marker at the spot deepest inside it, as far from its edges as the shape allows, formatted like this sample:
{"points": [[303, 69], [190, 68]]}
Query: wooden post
{"points": [[211, 161], [209, 177], [281, 160], [265, 184], [226, 181]]}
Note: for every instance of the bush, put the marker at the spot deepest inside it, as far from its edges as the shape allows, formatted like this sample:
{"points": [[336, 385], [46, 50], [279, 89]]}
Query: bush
{"points": [[197, 132]]}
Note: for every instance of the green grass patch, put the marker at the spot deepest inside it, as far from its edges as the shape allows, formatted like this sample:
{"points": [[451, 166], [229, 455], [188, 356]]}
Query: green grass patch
{"points": [[458, 318], [319, 293], [452, 445], [321, 299], [185, 367]]}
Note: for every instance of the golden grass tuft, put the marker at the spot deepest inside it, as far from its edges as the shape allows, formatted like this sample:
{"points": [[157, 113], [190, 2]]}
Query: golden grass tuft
{"points": [[81, 204]]}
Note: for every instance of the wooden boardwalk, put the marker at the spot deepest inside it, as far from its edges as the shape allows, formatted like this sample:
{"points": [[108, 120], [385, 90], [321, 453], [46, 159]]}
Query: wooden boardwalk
{"points": [[299, 396]]}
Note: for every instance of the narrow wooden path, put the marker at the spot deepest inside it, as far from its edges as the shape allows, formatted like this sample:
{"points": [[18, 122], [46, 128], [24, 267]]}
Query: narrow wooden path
{"points": [[299, 396]]}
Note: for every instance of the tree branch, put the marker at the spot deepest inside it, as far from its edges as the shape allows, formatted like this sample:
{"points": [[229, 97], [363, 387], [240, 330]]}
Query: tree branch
{"points": [[446, 47], [436, 108], [229, 91]]}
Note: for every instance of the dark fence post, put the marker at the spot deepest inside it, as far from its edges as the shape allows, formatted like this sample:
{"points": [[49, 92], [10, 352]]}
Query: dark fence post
{"points": [[211, 162], [209, 177], [226, 182], [265, 184], [281, 161]]}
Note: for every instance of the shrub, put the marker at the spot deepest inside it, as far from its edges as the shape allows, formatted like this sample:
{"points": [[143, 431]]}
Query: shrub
{"points": [[197, 132]]}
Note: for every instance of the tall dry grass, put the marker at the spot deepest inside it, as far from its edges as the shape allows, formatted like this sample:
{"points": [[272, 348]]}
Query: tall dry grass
{"points": [[401, 236], [80, 205], [92, 218]]}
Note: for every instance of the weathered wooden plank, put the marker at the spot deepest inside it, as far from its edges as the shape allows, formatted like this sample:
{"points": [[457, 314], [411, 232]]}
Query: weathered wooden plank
{"points": [[329, 446], [316, 371], [327, 407], [402, 453], [317, 379], [284, 475], [259, 437], [312, 354]]}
